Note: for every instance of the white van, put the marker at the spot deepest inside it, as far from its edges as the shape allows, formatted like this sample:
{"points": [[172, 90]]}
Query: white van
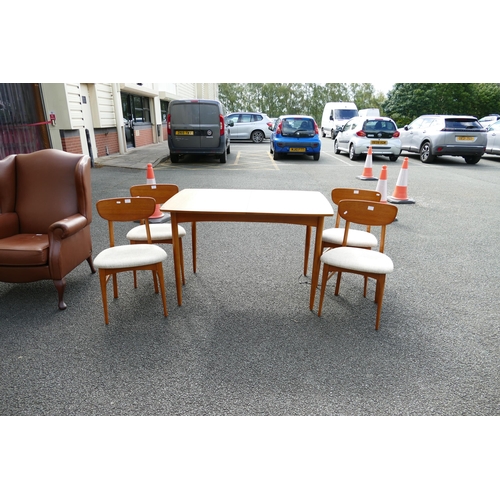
{"points": [[335, 115], [370, 112]]}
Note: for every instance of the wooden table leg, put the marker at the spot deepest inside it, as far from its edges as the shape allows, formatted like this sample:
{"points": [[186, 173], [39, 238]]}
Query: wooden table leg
{"points": [[316, 260], [193, 244], [177, 256]]}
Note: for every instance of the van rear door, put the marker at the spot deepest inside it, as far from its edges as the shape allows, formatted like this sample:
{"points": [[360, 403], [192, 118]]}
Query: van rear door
{"points": [[209, 125], [185, 124]]}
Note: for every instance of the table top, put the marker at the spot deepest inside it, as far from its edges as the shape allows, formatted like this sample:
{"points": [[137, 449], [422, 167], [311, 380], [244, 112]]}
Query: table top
{"points": [[249, 201]]}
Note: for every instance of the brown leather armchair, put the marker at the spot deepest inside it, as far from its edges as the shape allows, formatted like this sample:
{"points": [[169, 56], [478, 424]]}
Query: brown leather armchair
{"points": [[45, 216]]}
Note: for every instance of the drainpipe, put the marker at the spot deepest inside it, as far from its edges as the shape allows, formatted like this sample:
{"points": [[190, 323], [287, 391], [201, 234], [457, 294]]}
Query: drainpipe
{"points": [[119, 118]]}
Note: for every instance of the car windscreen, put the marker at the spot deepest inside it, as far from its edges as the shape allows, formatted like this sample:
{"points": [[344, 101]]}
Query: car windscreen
{"points": [[345, 114], [462, 123]]}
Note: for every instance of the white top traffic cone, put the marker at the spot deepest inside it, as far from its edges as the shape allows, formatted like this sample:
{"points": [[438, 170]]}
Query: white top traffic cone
{"points": [[382, 184], [400, 194], [367, 174], [150, 175]]}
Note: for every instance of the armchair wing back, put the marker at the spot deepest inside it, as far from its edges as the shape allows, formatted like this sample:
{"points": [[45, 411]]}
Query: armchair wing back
{"points": [[45, 216]]}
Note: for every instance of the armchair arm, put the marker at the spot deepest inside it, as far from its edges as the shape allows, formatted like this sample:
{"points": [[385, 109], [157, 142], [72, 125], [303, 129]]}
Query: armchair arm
{"points": [[67, 227], [9, 224]]}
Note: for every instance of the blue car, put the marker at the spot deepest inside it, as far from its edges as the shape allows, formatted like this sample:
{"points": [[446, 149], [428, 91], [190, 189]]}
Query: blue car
{"points": [[295, 135]]}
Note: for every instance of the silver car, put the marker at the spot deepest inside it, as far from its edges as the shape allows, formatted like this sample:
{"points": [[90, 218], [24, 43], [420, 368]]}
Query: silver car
{"points": [[249, 126], [493, 143], [362, 132], [445, 135]]}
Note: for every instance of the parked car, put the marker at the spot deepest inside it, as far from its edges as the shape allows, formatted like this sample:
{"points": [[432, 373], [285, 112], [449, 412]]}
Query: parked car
{"points": [[197, 127], [358, 134], [295, 135], [445, 135], [486, 121], [493, 139], [252, 126]]}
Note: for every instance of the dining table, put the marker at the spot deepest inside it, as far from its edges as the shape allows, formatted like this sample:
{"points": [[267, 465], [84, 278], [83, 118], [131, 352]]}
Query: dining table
{"points": [[307, 208]]}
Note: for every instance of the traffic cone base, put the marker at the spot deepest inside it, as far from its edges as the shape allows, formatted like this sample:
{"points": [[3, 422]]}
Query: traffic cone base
{"points": [[367, 174]]}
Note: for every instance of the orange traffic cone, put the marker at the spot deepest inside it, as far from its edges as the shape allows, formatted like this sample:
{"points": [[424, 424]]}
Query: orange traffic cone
{"points": [[150, 175], [367, 174], [400, 194], [382, 184], [150, 179]]}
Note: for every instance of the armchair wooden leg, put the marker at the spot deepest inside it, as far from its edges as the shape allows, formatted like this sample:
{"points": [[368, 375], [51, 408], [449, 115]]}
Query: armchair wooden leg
{"points": [[91, 264], [60, 285]]}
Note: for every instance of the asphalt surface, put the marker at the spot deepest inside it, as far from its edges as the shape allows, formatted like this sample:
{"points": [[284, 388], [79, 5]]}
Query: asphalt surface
{"points": [[244, 342]]}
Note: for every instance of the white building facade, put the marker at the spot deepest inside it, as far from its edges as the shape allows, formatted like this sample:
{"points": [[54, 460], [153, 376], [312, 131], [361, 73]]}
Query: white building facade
{"points": [[97, 119]]}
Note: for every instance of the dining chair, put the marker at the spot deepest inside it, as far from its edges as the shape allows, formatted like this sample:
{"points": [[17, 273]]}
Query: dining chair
{"points": [[162, 232], [122, 258], [334, 236], [367, 263]]}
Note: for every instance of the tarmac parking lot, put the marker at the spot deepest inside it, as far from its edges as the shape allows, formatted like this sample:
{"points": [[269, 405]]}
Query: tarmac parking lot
{"points": [[244, 342]]}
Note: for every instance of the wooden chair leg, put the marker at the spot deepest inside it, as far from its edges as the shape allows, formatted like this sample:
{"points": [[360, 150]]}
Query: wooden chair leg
{"points": [[380, 297], [161, 279], [115, 286], [326, 271], [135, 279], [103, 280], [337, 286]]}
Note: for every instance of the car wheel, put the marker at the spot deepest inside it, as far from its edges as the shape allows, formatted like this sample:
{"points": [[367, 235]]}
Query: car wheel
{"points": [[257, 136], [228, 149], [393, 157], [174, 158], [472, 160], [316, 156], [276, 156], [352, 155], [425, 153], [223, 156], [336, 149], [332, 134], [323, 134]]}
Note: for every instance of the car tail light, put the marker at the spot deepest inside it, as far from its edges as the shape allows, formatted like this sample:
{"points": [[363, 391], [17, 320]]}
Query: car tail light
{"points": [[360, 133], [221, 127], [396, 134], [316, 129], [169, 125], [278, 129]]}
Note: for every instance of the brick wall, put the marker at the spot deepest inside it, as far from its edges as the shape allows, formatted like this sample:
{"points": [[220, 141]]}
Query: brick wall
{"points": [[106, 140], [71, 142], [143, 136]]}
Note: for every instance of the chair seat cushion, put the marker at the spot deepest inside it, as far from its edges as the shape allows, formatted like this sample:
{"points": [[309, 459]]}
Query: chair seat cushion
{"points": [[158, 232], [356, 238], [358, 259], [129, 256], [24, 250]]}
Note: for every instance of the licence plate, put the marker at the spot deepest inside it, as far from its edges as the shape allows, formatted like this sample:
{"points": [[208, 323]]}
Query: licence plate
{"points": [[184, 132], [464, 138], [378, 142], [297, 150]]}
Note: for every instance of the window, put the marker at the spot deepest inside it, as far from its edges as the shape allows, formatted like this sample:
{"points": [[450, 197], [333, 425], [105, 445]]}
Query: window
{"points": [[136, 108]]}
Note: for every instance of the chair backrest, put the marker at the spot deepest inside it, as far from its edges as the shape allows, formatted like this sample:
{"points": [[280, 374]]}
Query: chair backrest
{"points": [[160, 192], [339, 194], [126, 210], [369, 213], [44, 187]]}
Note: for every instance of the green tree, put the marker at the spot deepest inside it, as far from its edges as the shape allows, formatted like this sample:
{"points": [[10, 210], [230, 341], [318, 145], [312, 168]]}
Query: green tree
{"points": [[407, 101]]}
